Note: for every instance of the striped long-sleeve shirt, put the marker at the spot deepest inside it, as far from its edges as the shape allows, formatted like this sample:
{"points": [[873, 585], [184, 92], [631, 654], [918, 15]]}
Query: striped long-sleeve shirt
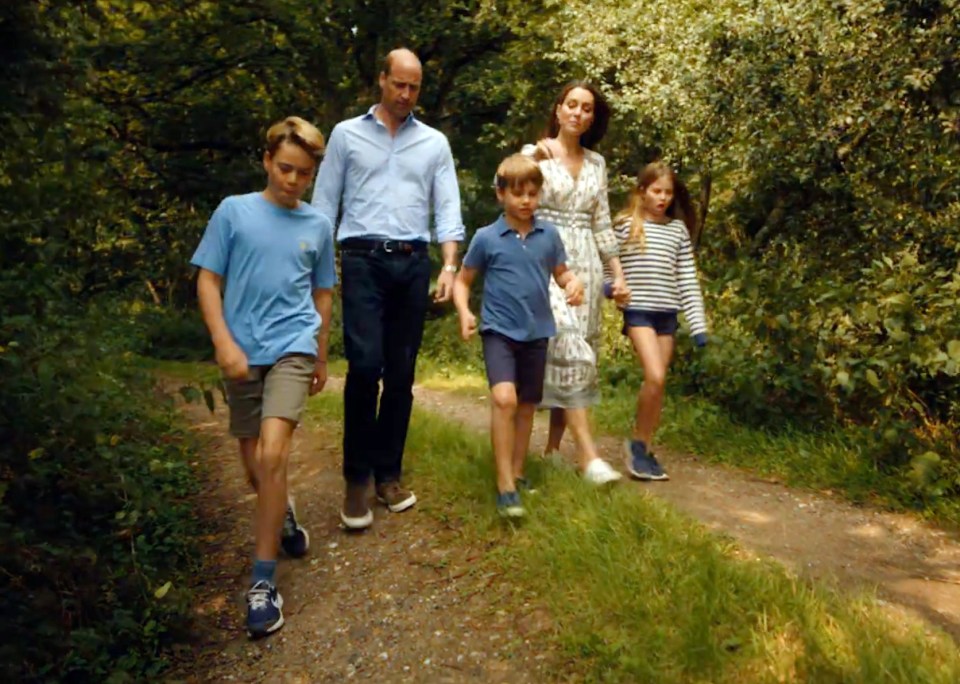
{"points": [[662, 277]]}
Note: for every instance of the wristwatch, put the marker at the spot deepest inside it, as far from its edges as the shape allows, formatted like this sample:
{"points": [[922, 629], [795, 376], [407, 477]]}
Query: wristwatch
{"points": [[450, 268]]}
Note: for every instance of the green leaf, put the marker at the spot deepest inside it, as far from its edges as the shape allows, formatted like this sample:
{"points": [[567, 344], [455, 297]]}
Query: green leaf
{"points": [[162, 591], [953, 349], [872, 378]]}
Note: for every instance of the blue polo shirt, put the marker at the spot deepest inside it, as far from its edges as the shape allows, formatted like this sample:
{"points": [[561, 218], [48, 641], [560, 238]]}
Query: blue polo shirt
{"points": [[516, 278], [271, 260]]}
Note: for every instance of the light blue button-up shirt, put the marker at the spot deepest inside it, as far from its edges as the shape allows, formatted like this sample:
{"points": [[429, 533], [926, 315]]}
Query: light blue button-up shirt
{"points": [[388, 184]]}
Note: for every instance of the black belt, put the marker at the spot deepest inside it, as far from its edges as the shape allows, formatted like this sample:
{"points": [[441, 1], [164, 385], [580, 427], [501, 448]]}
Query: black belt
{"points": [[388, 246]]}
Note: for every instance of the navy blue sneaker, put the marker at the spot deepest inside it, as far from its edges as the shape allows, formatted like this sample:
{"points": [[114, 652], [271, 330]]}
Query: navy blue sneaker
{"points": [[294, 539], [509, 506], [642, 464], [523, 485], [264, 614]]}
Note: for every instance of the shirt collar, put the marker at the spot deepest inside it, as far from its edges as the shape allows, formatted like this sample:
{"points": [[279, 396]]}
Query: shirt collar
{"points": [[371, 114], [503, 227]]}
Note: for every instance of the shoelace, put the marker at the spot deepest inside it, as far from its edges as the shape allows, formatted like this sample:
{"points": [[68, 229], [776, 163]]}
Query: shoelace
{"points": [[258, 598]]}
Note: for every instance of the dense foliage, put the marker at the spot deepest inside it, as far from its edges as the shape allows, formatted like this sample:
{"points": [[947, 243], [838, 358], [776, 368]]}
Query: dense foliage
{"points": [[823, 140], [96, 525], [820, 136]]}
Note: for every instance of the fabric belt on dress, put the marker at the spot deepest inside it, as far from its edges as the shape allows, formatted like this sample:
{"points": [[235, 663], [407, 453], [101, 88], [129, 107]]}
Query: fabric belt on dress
{"points": [[388, 246]]}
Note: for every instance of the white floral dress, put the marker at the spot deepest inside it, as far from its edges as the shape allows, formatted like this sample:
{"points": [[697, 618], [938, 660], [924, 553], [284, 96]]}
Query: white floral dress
{"points": [[580, 210]]}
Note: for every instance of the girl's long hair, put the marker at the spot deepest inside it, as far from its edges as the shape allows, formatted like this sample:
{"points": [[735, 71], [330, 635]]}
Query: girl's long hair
{"points": [[680, 208]]}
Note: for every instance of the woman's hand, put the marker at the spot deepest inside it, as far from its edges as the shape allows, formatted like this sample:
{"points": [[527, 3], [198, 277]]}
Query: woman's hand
{"points": [[543, 150]]}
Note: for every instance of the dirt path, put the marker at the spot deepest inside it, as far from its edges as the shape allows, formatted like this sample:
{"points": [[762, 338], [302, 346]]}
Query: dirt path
{"points": [[405, 602], [912, 564], [401, 602]]}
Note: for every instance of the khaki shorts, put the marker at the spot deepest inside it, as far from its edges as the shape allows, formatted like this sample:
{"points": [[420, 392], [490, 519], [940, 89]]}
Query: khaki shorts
{"points": [[277, 391]]}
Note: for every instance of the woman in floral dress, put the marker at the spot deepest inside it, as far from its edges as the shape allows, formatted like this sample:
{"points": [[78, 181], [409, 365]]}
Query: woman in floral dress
{"points": [[574, 199]]}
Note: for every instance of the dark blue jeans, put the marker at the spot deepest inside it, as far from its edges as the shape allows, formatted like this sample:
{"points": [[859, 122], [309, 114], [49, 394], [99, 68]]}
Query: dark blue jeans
{"points": [[385, 299]]}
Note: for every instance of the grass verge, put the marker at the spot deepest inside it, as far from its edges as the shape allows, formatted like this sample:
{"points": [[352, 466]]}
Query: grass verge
{"points": [[829, 459], [642, 594]]}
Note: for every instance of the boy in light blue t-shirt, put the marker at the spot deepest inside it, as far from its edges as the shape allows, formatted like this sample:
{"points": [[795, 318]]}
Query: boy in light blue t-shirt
{"points": [[274, 255]]}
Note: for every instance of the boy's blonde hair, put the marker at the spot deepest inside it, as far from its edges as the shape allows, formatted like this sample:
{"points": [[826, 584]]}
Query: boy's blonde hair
{"points": [[517, 170], [295, 130]]}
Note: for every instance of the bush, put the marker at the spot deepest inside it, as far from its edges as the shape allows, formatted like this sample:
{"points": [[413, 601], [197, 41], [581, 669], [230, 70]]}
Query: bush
{"points": [[96, 527]]}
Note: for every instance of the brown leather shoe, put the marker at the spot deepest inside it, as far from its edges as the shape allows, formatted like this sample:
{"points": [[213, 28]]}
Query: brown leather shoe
{"points": [[355, 513], [395, 496]]}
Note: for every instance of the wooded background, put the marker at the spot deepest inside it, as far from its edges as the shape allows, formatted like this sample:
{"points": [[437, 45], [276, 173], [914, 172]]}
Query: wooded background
{"points": [[820, 136]]}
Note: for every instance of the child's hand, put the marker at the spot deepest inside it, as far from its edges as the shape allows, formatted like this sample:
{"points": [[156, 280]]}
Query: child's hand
{"points": [[468, 325], [233, 361], [319, 376], [700, 339], [619, 292], [574, 291]]}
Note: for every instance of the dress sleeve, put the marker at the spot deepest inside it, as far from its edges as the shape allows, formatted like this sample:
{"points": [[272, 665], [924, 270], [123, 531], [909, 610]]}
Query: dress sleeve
{"points": [[607, 244]]}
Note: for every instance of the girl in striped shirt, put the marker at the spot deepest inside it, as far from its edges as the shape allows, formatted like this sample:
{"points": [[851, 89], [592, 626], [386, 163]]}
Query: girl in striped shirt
{"points": [[655, 231]]}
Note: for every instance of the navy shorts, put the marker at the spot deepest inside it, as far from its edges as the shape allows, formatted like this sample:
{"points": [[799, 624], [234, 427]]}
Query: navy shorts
{"points": [[663, 322], [522, 363]]}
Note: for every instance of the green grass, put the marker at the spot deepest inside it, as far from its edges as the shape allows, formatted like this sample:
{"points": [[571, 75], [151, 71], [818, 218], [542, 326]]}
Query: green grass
{"points": [[830, 459], [641, 593]]}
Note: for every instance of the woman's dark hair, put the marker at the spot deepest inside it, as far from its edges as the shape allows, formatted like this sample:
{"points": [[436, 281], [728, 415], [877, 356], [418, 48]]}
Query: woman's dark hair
{"points": [[601, 114]]}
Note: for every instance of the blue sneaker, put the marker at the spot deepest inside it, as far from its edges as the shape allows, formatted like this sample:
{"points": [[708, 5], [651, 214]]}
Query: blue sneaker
{"points": [[264, 614], [642, 464], [294, 539], [509, 506], [523, 485]]}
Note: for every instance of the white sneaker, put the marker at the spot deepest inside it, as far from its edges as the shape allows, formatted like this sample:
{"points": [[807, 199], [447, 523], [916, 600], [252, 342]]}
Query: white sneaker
{"points": [[599, 472]]}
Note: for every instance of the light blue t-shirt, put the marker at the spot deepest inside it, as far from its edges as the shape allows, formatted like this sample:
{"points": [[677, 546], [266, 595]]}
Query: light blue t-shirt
{"points": [[516, 278], [271, 260]]}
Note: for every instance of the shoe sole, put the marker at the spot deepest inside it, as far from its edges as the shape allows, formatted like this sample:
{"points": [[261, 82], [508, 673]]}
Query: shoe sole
{"points": [[511, 513], [646, 477], [357, 523], [259, 633], [400, 507]]}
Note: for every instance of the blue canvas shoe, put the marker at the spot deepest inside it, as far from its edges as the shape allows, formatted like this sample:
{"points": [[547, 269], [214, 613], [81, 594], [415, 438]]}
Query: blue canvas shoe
{"points": [[264, 610], [642, 464], [509, 506], [294, 538]]}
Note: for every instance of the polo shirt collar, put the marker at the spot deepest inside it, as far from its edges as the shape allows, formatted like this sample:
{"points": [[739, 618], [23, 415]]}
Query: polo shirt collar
{"points": [[503, 227]]}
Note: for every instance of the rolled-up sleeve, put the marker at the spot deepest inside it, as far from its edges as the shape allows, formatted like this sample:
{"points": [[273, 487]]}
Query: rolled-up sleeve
{"points": [[446, 198], [603, 234], [330, 178]]}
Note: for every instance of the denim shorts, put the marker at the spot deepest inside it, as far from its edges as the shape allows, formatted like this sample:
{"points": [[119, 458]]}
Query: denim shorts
{"points": [[662, 322], [522, 363]]}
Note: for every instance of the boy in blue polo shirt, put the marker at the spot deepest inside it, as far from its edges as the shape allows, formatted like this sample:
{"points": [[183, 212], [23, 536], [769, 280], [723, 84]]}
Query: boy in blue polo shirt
{"points": [[274, 255], [517, 255]]}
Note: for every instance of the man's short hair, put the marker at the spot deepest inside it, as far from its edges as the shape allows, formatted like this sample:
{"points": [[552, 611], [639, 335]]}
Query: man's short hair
{"points": [[295, 130], [518, 170]]}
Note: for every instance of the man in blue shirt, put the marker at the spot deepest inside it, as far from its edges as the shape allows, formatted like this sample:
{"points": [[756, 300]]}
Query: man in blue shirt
{"points": [[274, 254], [383, 173]]}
